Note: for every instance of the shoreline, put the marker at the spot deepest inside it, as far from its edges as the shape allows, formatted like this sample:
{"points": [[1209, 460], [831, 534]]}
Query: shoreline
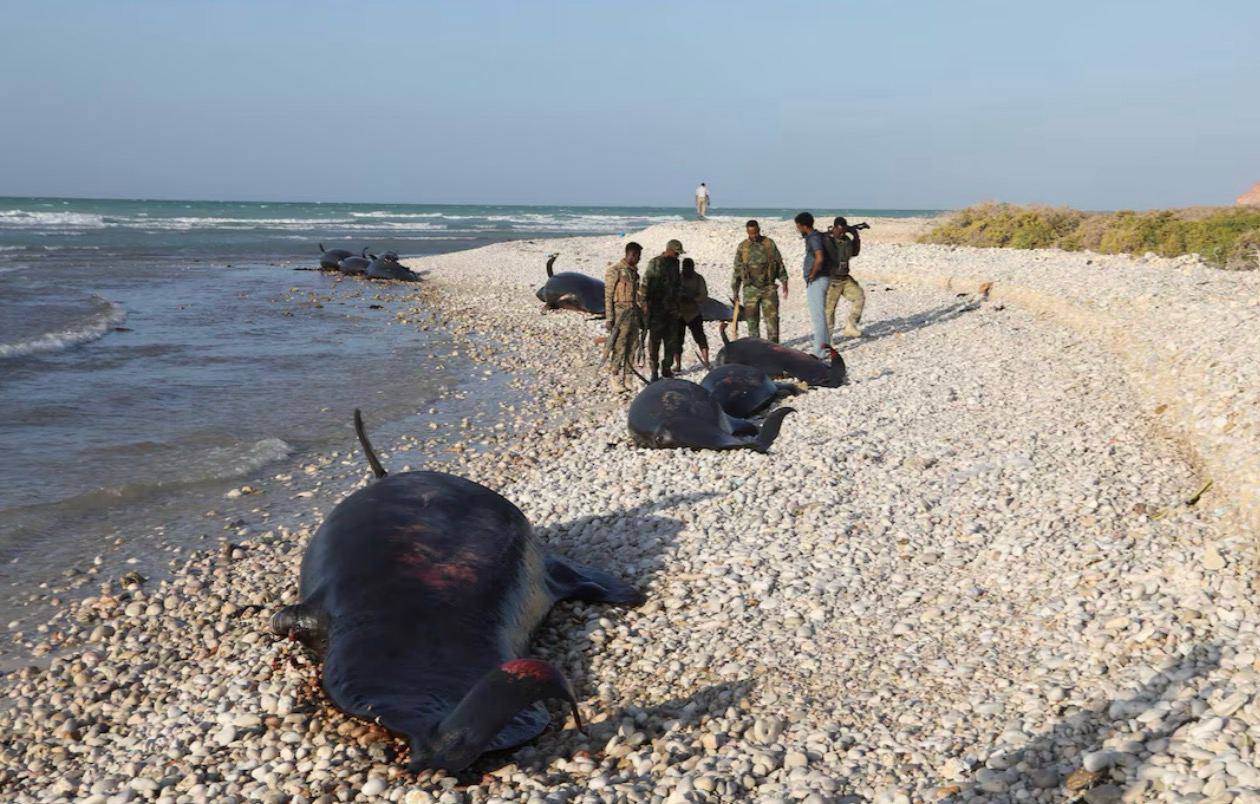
{"points": [[970, 603]]}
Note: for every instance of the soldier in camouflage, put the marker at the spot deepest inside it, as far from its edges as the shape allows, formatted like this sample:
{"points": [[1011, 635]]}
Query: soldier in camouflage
{"points": [[624, 317], [758, 266], [660, 291], [847, 244]]}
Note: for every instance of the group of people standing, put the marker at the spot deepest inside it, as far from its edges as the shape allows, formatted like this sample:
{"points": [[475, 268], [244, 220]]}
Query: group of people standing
{"points": [[665, 303], [759, 277]]}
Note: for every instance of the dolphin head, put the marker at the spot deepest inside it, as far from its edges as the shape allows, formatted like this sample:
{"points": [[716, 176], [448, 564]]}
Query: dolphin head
{"points": [[468, 731]]}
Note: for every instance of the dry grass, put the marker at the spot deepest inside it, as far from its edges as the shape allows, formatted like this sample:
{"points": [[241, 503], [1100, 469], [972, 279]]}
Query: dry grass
{"points": [[1227, 237]]}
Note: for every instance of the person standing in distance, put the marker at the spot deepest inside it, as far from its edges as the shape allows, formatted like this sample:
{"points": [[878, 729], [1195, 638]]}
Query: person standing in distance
{"points": [[817, 279], [624, 318], [702, 200], [758, 266], [847, 244]]}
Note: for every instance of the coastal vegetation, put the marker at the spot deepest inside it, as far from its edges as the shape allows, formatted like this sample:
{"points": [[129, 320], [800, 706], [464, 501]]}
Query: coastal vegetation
{"points": [[1226, 237]]}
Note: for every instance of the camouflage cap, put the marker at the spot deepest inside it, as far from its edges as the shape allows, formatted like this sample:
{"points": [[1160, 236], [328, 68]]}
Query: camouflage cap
{"points": [[675, 246]]}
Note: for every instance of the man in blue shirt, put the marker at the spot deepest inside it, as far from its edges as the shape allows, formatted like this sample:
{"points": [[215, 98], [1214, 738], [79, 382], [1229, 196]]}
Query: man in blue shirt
{"points": [[817, 279]]}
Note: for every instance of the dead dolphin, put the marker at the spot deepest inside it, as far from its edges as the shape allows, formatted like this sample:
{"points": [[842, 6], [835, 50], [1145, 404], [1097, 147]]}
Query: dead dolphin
{"points": [[570, 290], [387, 266], [777, 360], [354, 266], [420, 592], [673, 413], [744, 390], [329, 258], [713, 310]]}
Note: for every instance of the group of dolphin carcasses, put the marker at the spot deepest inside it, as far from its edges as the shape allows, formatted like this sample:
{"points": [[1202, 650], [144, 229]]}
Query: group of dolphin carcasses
{"points": [[386, 266], [570, 290], [714, 414]]}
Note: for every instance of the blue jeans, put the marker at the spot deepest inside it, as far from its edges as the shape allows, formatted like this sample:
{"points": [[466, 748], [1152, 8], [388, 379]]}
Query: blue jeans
{"points": [[816, 297]]}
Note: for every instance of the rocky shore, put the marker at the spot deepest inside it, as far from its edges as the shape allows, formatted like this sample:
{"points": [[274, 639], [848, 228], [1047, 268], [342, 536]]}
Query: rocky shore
{"points": [[985, 570]]}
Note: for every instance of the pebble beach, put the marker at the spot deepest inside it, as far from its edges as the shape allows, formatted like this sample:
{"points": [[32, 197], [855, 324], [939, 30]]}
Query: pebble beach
{"points": [[1013, 560]]}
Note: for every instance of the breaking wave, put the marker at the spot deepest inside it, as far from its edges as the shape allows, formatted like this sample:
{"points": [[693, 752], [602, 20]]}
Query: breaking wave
{"points": [[104, 317]]}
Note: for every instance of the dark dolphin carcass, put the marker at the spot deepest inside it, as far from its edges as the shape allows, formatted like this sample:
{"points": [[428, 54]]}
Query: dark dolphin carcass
{"points": [[420, 592], [387, 266], [673, 413], [713, 310], [329, 258], [777, 360], [570, 290], [354, 266], [744, 390]]}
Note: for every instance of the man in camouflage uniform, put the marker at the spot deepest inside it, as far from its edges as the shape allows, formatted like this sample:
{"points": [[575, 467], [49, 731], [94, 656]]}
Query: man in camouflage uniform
{"points": [[624, 318], [758, 266], [661, 287], [847, 244]]}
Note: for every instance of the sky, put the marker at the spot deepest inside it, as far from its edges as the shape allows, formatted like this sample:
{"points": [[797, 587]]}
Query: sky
{"points": [[913, 105]]}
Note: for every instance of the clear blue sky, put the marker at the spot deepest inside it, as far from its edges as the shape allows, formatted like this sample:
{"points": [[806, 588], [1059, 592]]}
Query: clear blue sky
{"points": [[1104, 104]]}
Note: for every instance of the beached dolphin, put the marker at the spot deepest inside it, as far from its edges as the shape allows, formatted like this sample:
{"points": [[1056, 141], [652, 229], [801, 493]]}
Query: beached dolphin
{"points": [[570, 290], [713, 310], [673, 413], [420, 592], [744, 390], [777, 360], [354, 266], [329, 258], [387, 266]]}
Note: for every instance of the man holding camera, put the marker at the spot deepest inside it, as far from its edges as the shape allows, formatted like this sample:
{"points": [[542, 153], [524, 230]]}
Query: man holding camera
{"points": [[845, 243]]}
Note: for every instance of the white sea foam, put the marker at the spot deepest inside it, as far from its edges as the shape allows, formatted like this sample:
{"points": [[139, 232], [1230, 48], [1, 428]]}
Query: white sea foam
{"points": [[106, 316], [234, 461], [25, 219], [384, 214]]}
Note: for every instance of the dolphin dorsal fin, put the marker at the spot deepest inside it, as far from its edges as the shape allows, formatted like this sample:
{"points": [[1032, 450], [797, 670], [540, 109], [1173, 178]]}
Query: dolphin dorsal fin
{"points": [[372, 460]]}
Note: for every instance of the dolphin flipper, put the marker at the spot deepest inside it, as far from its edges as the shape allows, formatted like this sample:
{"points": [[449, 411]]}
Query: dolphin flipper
{"points": [[569, 580]]}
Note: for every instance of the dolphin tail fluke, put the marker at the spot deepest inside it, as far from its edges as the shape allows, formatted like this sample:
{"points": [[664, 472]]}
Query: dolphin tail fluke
{"points": [[488, 716], [372, 460], [551, 259], [770, 429]]}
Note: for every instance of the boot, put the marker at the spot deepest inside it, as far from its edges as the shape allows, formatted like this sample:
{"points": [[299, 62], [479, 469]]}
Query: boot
{"points": [[617, 384], [852, 330]]}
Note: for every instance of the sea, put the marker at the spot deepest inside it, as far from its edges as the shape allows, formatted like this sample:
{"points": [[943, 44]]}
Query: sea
{"points": [[154, 354]]}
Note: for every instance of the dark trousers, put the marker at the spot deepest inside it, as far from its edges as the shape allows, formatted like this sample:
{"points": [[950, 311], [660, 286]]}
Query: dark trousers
{"points": [[668, 334], [696, 326]]}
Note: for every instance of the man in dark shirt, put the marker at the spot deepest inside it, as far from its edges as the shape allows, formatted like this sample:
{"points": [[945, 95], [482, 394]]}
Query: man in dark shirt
{"points": [[817, 279]]}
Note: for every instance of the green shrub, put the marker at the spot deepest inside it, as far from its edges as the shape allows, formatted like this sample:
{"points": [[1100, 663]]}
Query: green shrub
{"points": [[1222, 236]]}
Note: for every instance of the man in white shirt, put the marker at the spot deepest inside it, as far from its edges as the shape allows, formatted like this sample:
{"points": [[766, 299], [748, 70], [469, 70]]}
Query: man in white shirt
{"points": [[702, 200]]}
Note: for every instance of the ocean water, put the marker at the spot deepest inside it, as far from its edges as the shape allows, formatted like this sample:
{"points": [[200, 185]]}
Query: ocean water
{"points": [[155, 353]]}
